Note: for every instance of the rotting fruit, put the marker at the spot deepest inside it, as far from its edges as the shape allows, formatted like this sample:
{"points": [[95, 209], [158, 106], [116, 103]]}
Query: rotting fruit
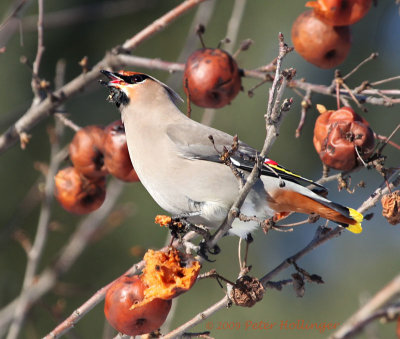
{"points": [[86, 152], [340, 12], [341, 137], [120, 311], [76, 193], [169, 274], [116, 155], [211, 78], [391, 207], [322, 45]]}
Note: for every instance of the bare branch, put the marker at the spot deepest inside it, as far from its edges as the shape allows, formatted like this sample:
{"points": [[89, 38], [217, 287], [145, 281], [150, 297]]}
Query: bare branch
{"points": [[86, 13], [373, 56], [12, 23], [203, 16], [321, 236], [67, 122], [160, 24], [81, 311], [231, 34], [363, 316], [273, 120], [198, 318], [40, 48], [305, 105], [35, 253], [384, 81], [73, 249], [136, 61], [38, 112]]}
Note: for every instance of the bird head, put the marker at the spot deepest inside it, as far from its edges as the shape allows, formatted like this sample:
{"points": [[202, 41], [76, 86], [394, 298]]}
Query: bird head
{"points": [[128, 86]]}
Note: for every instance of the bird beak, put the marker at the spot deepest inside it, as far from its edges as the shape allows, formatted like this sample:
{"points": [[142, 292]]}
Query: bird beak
{"points": [[116, 79], [116, 85]]}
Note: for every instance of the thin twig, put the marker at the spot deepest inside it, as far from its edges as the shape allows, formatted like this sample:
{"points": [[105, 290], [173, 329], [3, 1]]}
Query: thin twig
{"points": [[204, 335], [160, 24], [38, 112], [198, 318], [305, 105], [69, 254], [137, 61], [40, 48], [273, 120], [67, 122], [240, 253], [35, 83], [299, 223], [35, 253], [350, 92], [86, 13], [362, 63], [387, 140], [203, 16], [359, 156], [384, 81], [81, 311], [232, 34], [11, 23], [35, 114], [234, 23], [322, 235]]}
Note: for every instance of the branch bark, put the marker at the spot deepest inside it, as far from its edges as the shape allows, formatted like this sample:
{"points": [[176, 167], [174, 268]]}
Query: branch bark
{"points": [[321, 236], [273, 120], [368, 312], [73, 249], [46, 107]]}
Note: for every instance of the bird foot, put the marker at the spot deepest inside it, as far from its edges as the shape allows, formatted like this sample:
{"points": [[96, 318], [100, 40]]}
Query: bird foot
{"points": [[204, 251]]}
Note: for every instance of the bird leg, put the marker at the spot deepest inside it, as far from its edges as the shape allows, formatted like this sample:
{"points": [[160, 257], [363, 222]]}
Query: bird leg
{"points": [[204, 251]]}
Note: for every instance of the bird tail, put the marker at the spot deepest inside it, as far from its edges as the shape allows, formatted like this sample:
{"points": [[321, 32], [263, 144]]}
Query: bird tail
{"points": [[286, 200], [354, 218]]}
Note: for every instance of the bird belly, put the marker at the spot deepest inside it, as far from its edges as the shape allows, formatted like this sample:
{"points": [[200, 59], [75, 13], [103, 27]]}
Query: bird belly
{"points": [[181, 186]]}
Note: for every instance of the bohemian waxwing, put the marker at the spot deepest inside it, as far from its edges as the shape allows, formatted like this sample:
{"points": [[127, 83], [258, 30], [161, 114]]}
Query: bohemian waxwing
{"points": [[181, 168]]}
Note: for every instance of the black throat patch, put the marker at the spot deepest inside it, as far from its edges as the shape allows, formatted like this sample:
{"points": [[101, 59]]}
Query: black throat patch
{"points": [[117, 96]]}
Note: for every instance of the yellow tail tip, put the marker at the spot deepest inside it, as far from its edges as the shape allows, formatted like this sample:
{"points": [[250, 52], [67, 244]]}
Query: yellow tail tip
{"points": [[358, 218]]}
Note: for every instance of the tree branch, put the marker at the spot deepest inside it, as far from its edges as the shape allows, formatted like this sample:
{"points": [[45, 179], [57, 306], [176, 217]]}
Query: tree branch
{"points": [[223, 303], [160, 24], [35, 253], [73, 249], [46, 107], [273, 119], [321, 236], [369, 311]]}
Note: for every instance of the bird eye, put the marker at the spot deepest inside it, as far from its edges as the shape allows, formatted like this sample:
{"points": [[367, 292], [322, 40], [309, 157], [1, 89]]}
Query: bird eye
{"points": [[137, 78]]}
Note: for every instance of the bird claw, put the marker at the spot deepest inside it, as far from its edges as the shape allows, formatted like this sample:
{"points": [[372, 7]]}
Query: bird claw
{"points": [[204, 251]]}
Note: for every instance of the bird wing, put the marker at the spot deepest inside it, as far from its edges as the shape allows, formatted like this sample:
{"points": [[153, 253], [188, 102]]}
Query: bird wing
{"points": [[192, 141]]}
